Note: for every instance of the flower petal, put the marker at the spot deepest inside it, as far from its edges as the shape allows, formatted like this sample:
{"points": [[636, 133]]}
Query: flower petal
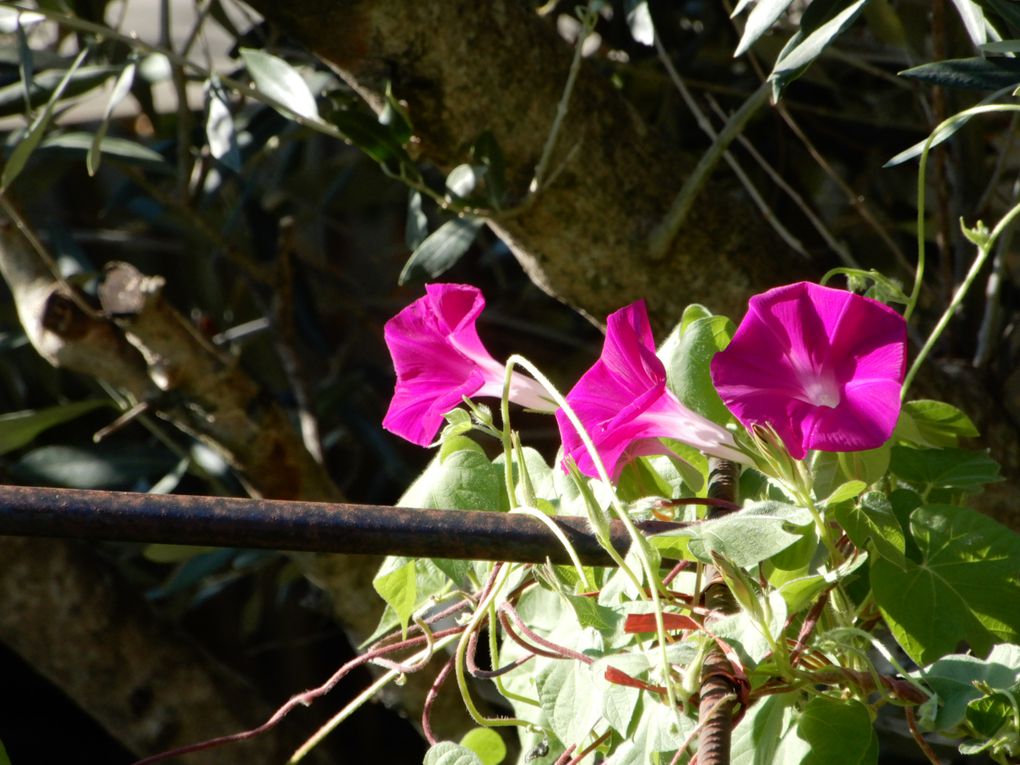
{"points": [[624, 404], [824, 367]]}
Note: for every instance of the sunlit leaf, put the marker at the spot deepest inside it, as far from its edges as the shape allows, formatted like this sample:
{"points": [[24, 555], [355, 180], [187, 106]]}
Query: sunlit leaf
{"points": [[399, 589], [966, 587], [121, 88], [449, 753], [281, 83], [33, 136], [761, 18], [486, 743]]}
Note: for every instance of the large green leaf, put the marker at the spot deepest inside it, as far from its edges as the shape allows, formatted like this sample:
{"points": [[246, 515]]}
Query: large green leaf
{"points": [[757, 737], [441, 249], [744, 538], [944, 468], [954, 679], [570, 699], [934, 423], [619, 701], [449, 753], [20, 428], [463, 479], [966, 587], [837, 732]]}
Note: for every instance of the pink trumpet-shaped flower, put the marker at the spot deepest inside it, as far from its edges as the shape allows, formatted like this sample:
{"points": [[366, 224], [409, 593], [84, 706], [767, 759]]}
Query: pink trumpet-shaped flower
{"points": [[439, 359], [824, 367], [625, 406]]}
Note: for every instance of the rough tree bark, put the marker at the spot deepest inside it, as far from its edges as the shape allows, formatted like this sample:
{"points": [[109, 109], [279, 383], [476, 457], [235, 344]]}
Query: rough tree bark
{"points": [[463, 68], [76, 621]]}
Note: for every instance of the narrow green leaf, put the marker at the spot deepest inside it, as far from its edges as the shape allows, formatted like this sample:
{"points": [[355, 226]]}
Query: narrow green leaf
{"points": [[761, 18], [441, 249], [24, 148], [84, 79], [958, 121], [4, 759], [283, 86], [371, 136], [18, 429], [822, 22], [93, 468], [417, 226], [966, 588], [969, 73], [639, 20], [121, 88], [116, 148], [1008, 10], [219, 128], [26, 64], [463, 179], [973, 19]]}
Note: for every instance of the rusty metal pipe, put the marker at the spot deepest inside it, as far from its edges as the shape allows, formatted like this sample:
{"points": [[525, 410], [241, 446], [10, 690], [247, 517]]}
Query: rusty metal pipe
{"points": [[309, 526]]}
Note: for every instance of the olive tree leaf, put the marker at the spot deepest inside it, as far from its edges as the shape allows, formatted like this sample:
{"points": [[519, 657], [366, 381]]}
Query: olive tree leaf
{"points": [[822, 22], [283, 86], [18, 429], [441, 249]]}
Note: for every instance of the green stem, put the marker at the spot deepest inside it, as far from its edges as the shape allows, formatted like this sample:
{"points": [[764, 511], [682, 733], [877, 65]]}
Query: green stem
{"points": [[638, 542]]}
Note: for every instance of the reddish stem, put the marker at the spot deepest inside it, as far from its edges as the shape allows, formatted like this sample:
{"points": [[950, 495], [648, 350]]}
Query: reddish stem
{"points": [[554, 651], [430, 698], [301, 699]]}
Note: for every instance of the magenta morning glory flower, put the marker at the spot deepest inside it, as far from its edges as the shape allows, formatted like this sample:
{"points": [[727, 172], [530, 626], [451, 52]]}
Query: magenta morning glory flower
{"points": [[439, 359], [625, 406], [822, 366]]}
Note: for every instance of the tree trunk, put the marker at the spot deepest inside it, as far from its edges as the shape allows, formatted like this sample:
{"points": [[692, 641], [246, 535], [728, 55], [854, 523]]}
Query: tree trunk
{"points": [[463, 68]]}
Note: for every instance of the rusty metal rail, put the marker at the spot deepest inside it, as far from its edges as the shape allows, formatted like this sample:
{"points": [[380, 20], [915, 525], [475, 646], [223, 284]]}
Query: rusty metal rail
{"points": [[308, 526]]}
